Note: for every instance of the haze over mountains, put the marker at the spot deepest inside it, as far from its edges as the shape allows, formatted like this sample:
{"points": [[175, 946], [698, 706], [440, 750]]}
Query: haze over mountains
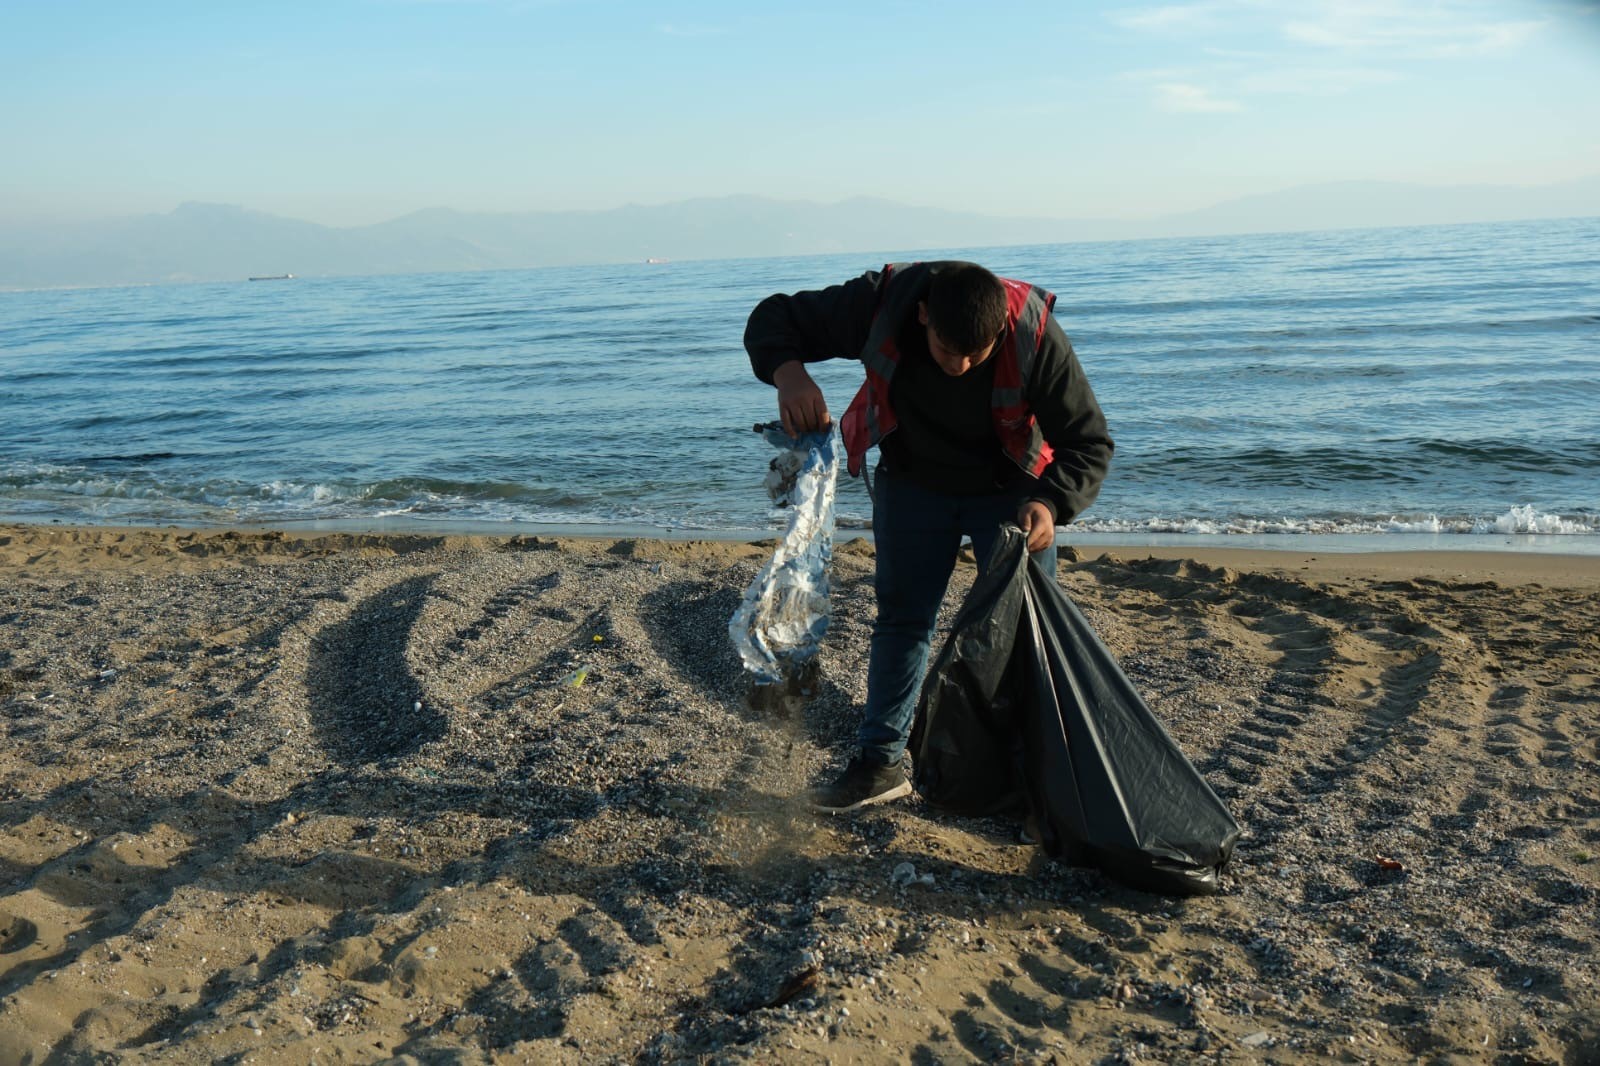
{"points": [[213, 242]]}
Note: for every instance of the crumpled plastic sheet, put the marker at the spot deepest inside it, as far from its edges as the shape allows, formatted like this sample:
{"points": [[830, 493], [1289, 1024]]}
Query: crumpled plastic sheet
{"points": [[780, 624]]}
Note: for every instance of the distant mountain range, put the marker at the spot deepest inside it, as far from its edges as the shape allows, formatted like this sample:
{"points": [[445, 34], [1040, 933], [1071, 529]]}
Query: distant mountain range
{"points": [[214, 242]]}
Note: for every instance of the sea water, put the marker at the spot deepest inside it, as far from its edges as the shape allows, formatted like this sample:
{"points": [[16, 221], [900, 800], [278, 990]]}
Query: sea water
{"points": [[1405, 385]]}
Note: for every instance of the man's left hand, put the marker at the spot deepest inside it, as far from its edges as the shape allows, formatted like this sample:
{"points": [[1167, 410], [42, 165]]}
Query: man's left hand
{"points": [[1038, 523]]}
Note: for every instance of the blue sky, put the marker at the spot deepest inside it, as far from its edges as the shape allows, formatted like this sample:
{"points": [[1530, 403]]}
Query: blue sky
{"points": [[353, 112]]}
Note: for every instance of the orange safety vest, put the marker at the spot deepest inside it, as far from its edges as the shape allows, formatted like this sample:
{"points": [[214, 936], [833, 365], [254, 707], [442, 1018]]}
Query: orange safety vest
{"points": [[870, 418]]}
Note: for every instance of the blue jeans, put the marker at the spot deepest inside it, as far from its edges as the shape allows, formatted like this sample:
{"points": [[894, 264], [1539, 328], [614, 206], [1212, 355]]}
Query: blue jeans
{"points": [[918, 533]]}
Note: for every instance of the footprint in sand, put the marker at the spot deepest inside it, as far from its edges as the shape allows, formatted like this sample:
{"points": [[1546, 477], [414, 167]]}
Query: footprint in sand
{"points": [[16, 933]]}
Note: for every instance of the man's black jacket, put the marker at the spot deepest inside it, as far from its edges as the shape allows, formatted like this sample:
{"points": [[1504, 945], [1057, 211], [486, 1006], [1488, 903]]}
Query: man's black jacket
{"points": [[944, 440]]}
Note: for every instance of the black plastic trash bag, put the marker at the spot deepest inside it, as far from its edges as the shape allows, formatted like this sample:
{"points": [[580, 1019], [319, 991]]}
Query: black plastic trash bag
{"points": [[1027, 712]]}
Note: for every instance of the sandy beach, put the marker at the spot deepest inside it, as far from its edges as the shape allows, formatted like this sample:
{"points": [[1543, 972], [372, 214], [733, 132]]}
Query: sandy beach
{"points": [[282, 798]]}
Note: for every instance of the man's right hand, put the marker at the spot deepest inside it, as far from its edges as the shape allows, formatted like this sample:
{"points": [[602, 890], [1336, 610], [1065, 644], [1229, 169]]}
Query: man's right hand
{"points": [[800, 402]]}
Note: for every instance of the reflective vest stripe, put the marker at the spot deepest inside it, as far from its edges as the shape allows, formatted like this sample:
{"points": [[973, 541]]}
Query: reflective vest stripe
{"points": [[870, 417]]}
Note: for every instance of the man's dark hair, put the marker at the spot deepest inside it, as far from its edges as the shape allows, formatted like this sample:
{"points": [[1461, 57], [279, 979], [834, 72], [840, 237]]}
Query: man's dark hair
{"points": [[966, 307]]}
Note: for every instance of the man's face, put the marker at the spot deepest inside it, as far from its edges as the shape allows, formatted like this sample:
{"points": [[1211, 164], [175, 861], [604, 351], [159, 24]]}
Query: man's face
{"points": [[950, 361]]}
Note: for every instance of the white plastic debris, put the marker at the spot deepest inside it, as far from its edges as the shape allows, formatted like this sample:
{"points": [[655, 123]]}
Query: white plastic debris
{"points": [[904, 874], [784, 616]]}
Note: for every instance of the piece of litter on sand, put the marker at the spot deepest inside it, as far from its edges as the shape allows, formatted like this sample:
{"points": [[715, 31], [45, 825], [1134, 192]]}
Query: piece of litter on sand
{"points": [[802, 981], [904, 874], [1261, 1039], [576, 678]]}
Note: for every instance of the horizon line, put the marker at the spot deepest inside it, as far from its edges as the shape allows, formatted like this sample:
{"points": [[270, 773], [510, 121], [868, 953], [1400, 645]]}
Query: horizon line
{"points": [[809, 255]]}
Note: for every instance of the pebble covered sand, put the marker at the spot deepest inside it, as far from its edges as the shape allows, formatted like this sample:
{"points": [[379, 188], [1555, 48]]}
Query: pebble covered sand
{"points": [[290, 799]]}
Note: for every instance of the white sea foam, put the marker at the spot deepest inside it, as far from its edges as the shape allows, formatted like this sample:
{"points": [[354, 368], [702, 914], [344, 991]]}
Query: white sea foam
{"points": [[68, 490], [1526, 519], [1529, 520], [298, 492]]}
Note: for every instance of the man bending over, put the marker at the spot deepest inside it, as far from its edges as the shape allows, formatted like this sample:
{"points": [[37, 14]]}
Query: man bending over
{"points": [[981, 416]]}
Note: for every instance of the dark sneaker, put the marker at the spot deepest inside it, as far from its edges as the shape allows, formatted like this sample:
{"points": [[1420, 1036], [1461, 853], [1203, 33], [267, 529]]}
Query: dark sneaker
{"points": [[863, 783]]}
